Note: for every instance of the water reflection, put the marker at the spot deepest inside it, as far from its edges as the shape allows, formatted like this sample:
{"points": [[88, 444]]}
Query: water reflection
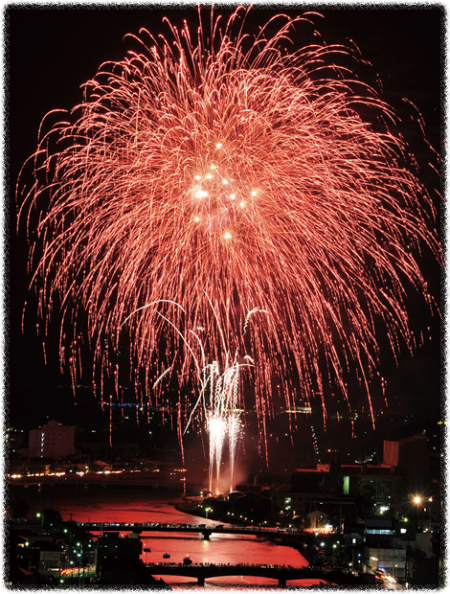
{"points": [[147, 505]]}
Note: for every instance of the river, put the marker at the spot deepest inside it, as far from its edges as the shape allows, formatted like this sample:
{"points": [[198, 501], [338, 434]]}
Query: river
{"points": [[120, 504]]}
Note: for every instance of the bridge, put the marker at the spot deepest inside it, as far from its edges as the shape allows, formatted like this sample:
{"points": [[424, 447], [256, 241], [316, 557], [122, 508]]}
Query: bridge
{"points": [[280, 573], [203, 529]]}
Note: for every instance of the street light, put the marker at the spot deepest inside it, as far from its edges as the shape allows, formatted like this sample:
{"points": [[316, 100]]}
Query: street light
{"points": [[418, 501], [41, 515], [207, 509], [430, 499]]}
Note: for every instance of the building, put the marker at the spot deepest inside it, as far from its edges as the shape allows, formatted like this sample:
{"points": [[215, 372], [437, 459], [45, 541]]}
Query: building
{"points": [[53, 440], [391, 558], [409, 457], [18, 575], [115, 551], [314, 509], [51, 556]]}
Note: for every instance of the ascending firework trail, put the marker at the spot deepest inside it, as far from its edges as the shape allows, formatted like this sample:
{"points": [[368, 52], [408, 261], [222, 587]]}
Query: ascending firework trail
{"points": [[221, 408]]}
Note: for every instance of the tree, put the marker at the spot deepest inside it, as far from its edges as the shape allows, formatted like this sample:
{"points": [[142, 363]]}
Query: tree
{"points": [[19, 510], [52, 518]]}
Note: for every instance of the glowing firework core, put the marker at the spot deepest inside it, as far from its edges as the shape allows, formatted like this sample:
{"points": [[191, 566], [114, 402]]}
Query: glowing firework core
{"points": [[223, 418]]}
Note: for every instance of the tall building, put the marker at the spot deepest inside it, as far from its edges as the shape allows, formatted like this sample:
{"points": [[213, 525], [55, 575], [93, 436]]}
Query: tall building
{"points": [[53, 440], [410, 458]]}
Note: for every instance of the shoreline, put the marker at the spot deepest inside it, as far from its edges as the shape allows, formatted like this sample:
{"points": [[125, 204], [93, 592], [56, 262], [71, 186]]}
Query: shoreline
{"points": [[103, 483]]}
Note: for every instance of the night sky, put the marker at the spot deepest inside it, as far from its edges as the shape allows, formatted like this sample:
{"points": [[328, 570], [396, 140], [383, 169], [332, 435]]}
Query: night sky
{"points": [[52, 52]]}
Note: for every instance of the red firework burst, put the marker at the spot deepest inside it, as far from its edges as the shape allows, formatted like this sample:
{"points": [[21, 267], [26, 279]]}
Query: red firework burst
{"points": [[238, 174]]}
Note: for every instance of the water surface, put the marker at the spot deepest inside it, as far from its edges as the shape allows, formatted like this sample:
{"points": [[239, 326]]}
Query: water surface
{"points": [[132, 505]]}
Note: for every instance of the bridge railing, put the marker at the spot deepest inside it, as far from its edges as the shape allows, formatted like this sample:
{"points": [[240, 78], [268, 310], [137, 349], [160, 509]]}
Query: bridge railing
{"points": [[189, 527]]}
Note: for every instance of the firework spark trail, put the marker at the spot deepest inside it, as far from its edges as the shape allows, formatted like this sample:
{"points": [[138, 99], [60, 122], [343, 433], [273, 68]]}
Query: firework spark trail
{"points": [[223, 417], [221, 409], [237, 170]]}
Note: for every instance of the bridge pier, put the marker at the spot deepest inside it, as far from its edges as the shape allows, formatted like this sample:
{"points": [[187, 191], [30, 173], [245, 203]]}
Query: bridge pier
{"points": [[206, 535], [282, 581], [201, 580]]}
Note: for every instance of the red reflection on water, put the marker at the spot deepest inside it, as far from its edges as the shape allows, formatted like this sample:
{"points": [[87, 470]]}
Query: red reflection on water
{"points": [[141, 505]]}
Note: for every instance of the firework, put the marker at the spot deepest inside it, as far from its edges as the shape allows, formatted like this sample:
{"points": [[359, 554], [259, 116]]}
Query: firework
{"points": [[223, 418], [215, 168], [221, 408]]}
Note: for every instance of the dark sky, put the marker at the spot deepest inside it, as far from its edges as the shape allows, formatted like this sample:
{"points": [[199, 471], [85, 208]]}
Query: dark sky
{"points": [[52, 52]]}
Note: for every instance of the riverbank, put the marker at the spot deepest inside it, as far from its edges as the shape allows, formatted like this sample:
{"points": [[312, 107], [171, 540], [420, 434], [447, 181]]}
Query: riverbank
{"points": [[131, 505], [113, 479], [308, 550]]}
